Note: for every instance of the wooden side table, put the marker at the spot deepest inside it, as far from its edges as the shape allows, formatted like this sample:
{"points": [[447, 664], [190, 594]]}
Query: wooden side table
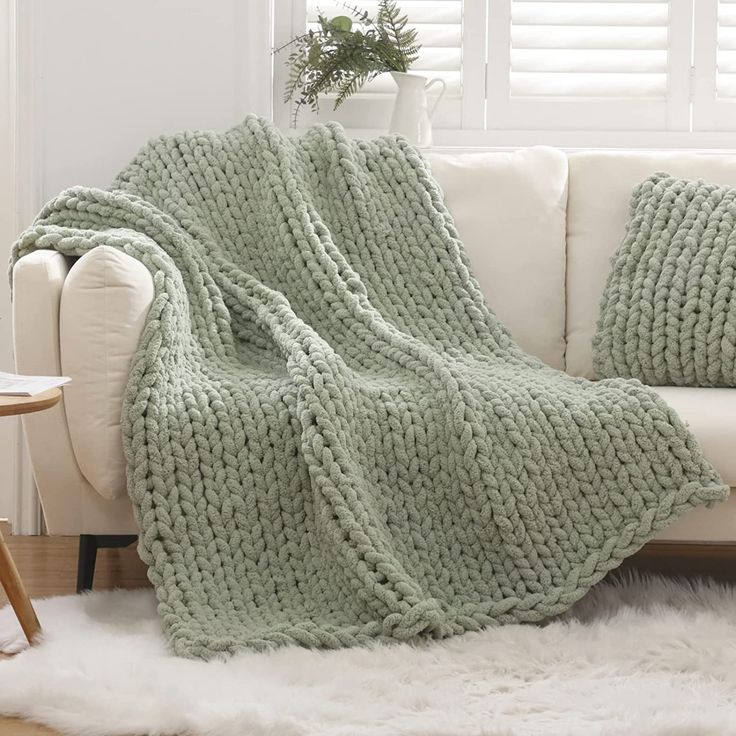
{"points": [[9, 576]]}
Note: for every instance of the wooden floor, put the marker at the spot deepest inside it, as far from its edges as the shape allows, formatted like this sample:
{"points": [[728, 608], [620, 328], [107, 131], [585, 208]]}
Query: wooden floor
{"points": [[48, 567]]}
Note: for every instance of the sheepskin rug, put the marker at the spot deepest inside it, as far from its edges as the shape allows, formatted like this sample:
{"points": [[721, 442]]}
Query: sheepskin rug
{"points": [[640, 656]]}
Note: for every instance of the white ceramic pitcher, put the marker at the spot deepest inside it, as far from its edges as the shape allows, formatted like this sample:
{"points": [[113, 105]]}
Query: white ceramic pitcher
{"points": [[410, 117]]}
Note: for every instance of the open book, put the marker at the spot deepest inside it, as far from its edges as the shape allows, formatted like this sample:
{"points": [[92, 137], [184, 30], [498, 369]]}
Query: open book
{"points": [[11, 384]]}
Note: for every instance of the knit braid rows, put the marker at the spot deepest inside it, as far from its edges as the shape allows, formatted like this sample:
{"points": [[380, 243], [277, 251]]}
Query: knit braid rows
{"points": [[668, 314], [330, 438]]}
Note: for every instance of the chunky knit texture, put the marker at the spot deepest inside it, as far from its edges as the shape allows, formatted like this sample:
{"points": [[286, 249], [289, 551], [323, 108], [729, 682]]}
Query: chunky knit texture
{"points": [[330, 438], [668, 313]]}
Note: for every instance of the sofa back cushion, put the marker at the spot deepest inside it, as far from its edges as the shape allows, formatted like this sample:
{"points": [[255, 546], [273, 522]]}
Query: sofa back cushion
{"points": [[599, 193], [509, 209]]}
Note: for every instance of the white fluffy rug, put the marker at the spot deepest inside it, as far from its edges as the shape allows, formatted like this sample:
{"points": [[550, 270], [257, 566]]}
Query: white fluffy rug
{"points": [[642, 657]]}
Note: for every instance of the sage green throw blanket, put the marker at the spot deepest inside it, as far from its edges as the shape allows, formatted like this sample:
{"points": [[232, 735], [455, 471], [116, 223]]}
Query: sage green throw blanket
{"points": [[330, 438]]}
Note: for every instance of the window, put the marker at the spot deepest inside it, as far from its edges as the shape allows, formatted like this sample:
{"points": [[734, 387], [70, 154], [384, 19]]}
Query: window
{"points": [[714, 55], [515, 68]]}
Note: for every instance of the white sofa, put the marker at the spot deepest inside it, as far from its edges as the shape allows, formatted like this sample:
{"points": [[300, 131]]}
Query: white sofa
{"points": [[539, 226]]}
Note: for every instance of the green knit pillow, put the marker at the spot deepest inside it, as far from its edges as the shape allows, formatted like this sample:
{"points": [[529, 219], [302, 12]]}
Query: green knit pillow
{"points": [[668, 312]]}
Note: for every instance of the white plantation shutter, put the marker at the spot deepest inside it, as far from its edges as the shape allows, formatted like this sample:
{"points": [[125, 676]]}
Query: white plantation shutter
{"points": [[715, 65], [726, 51], [448, 49], [589, 64], [589, 49]]}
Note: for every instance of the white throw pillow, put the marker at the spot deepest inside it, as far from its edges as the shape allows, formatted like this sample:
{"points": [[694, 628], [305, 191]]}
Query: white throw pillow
{"points": [[510, 211], [104, 304]]}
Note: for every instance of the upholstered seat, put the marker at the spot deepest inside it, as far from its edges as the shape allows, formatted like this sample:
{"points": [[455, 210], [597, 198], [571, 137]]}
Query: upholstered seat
{"points": [[710, 413]]}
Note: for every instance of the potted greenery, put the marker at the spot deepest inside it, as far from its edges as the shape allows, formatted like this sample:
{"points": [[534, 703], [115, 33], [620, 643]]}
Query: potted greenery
{"points": [[343, 53]]}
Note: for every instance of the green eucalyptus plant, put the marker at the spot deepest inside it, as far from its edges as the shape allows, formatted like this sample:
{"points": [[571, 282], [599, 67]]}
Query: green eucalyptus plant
{"points": [[344, 53]]}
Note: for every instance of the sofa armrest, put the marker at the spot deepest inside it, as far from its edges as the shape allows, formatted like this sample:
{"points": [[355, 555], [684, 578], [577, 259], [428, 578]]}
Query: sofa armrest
{"points": [[71, 505], [38, 279], [104, 304], [37, 282]]}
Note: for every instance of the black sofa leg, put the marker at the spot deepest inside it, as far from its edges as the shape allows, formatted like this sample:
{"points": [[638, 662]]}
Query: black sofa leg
{"points": [[88, 546], [86, 562]]}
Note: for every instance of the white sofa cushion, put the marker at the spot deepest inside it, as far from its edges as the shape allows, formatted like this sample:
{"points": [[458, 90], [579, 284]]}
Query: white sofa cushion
{"points": [[599, 191], [509, 210], [104, 304], [710, 414], [716, 525]]}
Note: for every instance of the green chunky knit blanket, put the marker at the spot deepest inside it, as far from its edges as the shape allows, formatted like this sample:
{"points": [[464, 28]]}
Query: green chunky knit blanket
{"points": [[330, 438]]}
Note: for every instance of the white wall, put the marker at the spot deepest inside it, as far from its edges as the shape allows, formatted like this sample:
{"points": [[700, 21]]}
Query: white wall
{"points": [[8, 431], [90, 82]]}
